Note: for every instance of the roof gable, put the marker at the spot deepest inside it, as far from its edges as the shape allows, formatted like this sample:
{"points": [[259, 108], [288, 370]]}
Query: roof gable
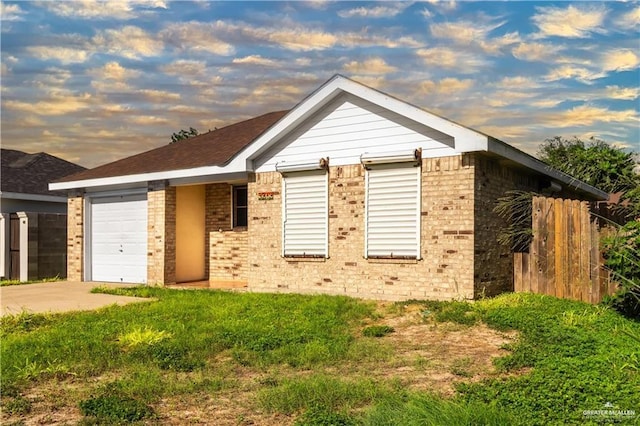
{"points": [[465, 139], [349, 126]]}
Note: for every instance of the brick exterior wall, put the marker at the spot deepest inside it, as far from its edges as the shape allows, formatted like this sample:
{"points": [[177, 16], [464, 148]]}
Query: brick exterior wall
{"points": [[444, 272], [161, 234], [217, 220], [229, 255], [75, 237], [494, 262]]}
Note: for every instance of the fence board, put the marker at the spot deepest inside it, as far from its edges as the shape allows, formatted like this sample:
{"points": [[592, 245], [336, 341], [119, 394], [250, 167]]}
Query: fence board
{"points": [[564, 258], [541, 264], [518, 286], [561, 264], [551, 247], [533, 249], [574, 235]]}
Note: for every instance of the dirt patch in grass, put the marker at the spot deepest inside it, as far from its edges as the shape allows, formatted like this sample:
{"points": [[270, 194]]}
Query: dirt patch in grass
{"points": [[51, 402], [233, 408], [427, 355]]}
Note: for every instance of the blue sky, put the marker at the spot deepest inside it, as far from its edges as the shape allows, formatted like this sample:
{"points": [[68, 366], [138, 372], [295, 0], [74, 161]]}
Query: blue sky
{"points": [[94, 81]]}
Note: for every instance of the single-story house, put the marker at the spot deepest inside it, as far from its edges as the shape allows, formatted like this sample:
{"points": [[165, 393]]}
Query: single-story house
{"points": [[32, 218], [351, 192]]}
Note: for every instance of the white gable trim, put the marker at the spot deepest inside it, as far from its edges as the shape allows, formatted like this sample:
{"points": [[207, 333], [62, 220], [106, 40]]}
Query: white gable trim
{"points": [[466, 140]]}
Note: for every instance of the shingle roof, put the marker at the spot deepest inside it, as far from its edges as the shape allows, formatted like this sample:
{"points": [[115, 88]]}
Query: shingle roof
{"points": [[31, 173], [214, 148]]}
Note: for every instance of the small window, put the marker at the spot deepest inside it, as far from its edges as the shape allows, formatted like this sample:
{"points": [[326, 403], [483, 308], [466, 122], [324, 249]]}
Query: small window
{"points": [[240, 206]]}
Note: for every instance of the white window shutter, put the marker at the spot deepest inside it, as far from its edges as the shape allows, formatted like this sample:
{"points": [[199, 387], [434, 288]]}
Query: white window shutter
{"points": [[305, 214], [393, 211]]}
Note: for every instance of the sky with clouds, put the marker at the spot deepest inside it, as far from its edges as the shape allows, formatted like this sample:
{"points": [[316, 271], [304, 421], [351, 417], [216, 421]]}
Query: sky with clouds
{"points": [[93, 81]]}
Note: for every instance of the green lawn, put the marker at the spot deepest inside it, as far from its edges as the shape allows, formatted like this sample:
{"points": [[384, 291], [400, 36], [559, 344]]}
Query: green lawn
{"points": [[242, 358]]}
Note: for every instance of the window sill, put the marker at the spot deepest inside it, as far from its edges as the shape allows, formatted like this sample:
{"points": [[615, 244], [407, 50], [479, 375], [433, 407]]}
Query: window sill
{"points": [[302, 258], [393, 260]]}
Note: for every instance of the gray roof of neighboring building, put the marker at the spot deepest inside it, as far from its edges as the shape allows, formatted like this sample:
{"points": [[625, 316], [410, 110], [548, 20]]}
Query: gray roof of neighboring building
{"points": [[31, 173]]}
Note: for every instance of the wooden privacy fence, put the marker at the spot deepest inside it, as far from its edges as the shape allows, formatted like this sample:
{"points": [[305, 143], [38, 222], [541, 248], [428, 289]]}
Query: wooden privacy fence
{"points": [[564, 258]]}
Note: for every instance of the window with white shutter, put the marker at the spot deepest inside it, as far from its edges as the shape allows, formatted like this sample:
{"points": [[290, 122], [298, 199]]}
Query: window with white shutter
{"points": [[305, 214], [392, 228]]}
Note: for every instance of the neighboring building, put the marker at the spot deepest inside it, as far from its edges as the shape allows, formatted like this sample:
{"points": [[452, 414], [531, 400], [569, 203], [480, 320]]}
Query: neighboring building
{"points": [[25, 199], [351, 192]]}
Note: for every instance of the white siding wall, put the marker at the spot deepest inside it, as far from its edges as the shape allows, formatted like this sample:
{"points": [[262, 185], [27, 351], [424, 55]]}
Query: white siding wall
{"points": [[350, 127]]}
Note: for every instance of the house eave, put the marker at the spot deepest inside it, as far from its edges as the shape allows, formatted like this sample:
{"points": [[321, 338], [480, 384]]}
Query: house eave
{"points": [[193, 176], [33, 197]]}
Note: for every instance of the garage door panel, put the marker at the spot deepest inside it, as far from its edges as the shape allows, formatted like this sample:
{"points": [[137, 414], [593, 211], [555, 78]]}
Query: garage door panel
{"points": [[119, 239]]}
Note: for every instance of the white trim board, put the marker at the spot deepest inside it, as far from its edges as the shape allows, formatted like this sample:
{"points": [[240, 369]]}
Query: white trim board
{"points": [[33, 197]]}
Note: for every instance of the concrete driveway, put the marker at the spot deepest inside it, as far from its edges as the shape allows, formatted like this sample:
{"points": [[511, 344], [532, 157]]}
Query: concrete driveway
{"points": [[62, 296]]}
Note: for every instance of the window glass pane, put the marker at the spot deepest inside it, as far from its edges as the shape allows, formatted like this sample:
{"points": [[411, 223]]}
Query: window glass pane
{"points": [[240, 206]]}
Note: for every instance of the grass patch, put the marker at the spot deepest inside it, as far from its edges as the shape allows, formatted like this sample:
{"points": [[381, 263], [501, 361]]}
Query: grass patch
{"points": [[115, 409], [322, 391], [18, 405], [5, 283], [23, 322], [184, 332], [321, 416], [426, 409], [580, 357], [142, 336], [453, 311], [377, 331]]}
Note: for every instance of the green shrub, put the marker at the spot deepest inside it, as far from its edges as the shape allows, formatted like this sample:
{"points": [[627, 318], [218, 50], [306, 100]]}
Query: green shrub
{"points": [[377, 331], [622, 257], [115, 408]]}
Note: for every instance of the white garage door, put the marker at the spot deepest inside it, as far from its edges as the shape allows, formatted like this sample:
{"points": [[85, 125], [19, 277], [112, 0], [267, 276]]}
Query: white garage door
{"points": [[119, 239]]}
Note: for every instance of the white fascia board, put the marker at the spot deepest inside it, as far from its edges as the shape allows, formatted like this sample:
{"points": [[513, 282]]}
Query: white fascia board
{"points": [[507, 151], [232, 167], [33, 197]]}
